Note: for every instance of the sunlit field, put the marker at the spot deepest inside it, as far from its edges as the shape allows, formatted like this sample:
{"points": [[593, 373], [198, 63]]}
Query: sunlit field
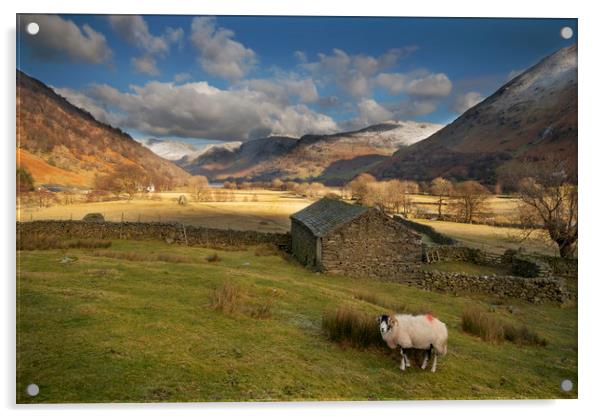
{"points": [[260, 210]]}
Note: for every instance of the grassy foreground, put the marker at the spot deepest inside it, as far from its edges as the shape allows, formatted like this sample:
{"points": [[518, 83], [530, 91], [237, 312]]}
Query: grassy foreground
{"points": [[105, 329]]}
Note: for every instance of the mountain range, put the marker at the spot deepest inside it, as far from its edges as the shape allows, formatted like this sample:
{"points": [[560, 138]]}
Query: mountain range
{"points": [[531, 118], [332, 159]]}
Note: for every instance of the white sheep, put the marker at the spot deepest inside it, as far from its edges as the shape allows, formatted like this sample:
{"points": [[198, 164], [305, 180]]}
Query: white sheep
{"points": [[424, 332]]}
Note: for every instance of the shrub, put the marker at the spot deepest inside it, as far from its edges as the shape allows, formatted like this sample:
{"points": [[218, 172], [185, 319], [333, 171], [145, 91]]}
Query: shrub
{"points": [[490, 328], [227, 298], [478, 322], [523, 336], [213, 258], [346, 325], [93, 217]]}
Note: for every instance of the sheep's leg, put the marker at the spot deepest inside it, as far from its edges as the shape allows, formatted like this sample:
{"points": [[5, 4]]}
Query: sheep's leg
{"points": [[403, 360], [405, 357], [434, 362], [425, 362]]}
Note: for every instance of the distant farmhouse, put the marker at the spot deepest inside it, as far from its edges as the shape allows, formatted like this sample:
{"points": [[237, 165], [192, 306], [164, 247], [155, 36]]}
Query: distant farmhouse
{"points": [[337, 237]]}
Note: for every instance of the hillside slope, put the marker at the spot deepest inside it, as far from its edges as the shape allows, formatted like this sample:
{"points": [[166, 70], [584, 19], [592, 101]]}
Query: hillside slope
{"points": [[53, 132], [331, 158], [532, 117]]}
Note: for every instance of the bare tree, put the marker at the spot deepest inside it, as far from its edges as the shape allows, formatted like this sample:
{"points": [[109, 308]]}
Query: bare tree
{"points": [[441, 188], [553, 202], [198, 187], [359, 186], [129, 179], [469, 200]]}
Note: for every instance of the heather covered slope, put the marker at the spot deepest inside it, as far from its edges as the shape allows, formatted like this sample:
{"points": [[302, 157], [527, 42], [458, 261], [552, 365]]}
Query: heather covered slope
{"points": [[51, 132], [532, 117]]}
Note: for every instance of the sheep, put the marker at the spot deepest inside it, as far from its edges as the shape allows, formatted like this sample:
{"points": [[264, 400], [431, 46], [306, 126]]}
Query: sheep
{"points": [[423, 332]]}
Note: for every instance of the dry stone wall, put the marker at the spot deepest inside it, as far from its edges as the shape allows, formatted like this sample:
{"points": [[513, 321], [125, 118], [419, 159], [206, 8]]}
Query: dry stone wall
{"points": [[535, 289], [169, 232]]}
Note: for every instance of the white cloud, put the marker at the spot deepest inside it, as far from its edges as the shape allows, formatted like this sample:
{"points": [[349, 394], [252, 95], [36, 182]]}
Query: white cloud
{"points": [[145, 65], [284, 89], [220, 55], [416, 84], [352, 73], [59, 37], [134, 30], [202, 111], [179, 77], [465, 101], [82, 101], [370, 112]]}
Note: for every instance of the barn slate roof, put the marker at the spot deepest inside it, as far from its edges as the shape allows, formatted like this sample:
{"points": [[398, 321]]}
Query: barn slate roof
{"points": [[327, 214]]}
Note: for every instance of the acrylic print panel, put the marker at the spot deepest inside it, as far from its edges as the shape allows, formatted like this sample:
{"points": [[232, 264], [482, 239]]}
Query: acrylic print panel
{"points": [[226, 208]]}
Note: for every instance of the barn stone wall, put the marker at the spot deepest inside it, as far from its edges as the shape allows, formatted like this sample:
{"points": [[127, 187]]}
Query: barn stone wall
{"points": [[373, 245], [303, 244], [170, 232]]}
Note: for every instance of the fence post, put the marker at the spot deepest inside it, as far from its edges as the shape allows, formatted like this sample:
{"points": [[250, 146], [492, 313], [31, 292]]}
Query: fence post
{"points": [[185, 237], [121, 227]]}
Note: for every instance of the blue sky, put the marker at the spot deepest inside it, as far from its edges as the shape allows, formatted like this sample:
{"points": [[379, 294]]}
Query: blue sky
{"points": [[237, 78]]}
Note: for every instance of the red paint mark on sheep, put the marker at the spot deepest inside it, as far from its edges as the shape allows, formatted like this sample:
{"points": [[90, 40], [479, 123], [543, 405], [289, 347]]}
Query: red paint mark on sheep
{"points": [[429, 317]]}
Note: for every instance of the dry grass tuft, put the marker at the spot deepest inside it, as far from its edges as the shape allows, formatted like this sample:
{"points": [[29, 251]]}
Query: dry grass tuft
{"points": [[263, 310], [346, 325], [227, 298], [137, 256], [490, 328], [477, 322], [38, 241]]}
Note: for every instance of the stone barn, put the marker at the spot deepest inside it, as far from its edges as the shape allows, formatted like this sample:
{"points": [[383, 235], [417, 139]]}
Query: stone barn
{"points": [[337, 237]]}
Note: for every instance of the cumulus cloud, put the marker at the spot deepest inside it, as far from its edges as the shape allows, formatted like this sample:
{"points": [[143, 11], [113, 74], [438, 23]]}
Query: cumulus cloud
{"points": [[465, 101], [352, 73], [179, 77], [134, 30], [59, 38], [416, 84], [284, 90], [220, 55], [370, 112], [82, 101], [202, 111], [145, 65]]}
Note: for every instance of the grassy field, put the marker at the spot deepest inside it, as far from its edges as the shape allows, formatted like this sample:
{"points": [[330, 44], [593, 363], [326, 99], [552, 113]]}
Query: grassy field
{"points": [[493, 238], [105, 329], [501, 208], [260, 210], [269, 211]]}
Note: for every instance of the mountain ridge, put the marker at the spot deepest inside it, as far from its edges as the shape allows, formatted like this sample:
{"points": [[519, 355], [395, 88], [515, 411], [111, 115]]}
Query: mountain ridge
{"points": [[530, 118], [52, 132]]}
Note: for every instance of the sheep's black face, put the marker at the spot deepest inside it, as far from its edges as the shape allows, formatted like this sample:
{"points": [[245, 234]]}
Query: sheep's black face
{"points": [[383, 322]]}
